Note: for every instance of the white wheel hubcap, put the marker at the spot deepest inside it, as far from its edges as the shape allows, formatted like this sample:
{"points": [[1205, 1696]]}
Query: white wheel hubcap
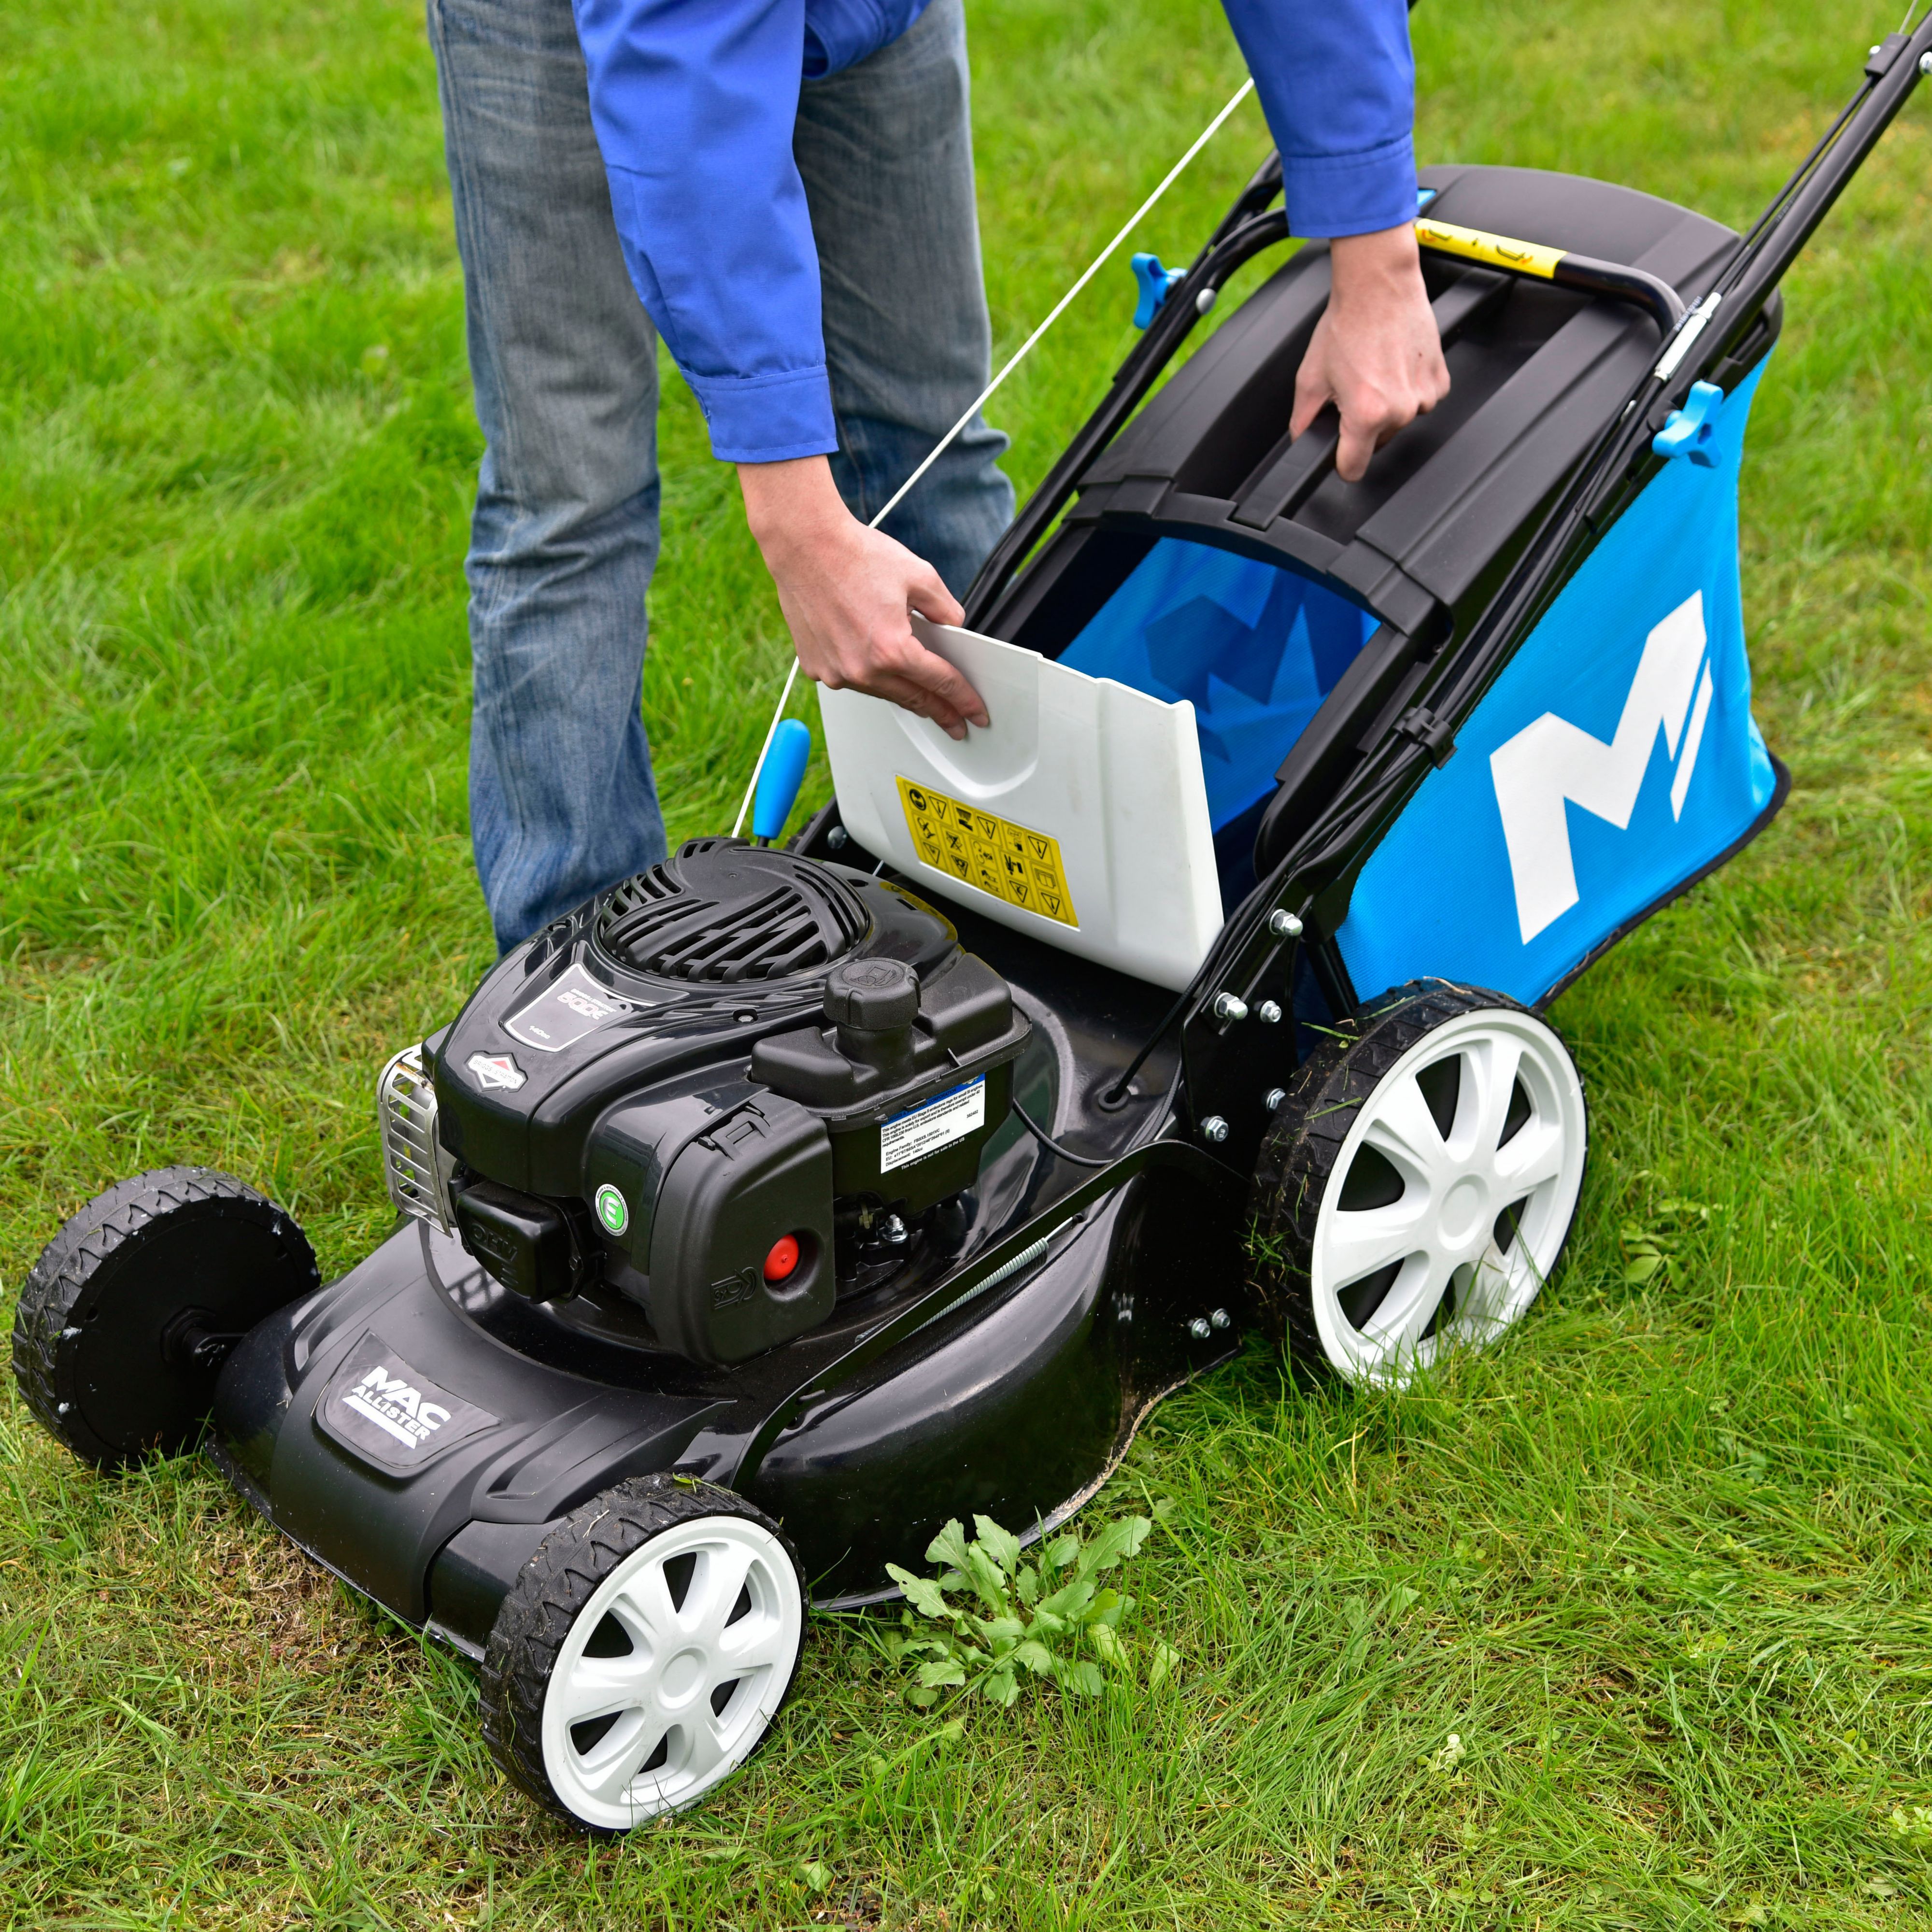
{"points": [[1453, 1193], [672, 1672]]}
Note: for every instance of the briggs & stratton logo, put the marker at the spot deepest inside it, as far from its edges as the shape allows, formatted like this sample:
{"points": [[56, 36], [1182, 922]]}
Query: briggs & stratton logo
{"points": [[735, 1289], [497, 1070]]}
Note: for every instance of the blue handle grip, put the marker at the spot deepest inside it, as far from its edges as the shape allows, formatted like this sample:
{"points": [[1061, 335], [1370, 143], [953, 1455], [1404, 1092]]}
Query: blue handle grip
{"points": [[778, 780]]}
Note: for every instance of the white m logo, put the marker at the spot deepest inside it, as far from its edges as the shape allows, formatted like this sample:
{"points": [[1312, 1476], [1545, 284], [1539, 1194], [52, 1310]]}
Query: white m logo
{"points": [[1552, 760]]}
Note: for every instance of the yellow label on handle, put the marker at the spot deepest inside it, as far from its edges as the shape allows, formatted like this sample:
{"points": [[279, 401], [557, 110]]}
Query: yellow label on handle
{"points": [[1010, 862], [1526, 258]]}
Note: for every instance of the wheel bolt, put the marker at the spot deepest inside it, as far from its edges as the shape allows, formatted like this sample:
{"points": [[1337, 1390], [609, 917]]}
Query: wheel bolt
{"points": [[1268, 1013], [1273, 1097], [1219, 1319], [1199, 1329], [1214, 1129], [1230, 1006]]}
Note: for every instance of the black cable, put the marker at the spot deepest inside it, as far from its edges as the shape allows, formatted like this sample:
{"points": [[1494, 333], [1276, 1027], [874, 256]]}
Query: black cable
{"points": [[1052, 1146], [1801, 175], [1794, 183], [1781, 200], [1117, 1092], [1518, 602]]}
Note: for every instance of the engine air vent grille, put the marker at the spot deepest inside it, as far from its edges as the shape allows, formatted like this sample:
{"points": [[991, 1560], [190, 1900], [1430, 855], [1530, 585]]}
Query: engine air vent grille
{"points": [[721, 913], [416, 1166]]}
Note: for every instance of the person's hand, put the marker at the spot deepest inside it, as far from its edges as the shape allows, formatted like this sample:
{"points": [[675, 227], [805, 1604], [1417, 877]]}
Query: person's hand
{"points": [[845, 591], [1376, 353]]}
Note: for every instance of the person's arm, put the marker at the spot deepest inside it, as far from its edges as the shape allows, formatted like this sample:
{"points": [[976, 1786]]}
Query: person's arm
{"points": [[694, 103], [1337, 82], [845, 591]]}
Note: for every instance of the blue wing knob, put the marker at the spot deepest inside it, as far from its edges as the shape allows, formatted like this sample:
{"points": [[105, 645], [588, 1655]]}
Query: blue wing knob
{"points": [[1154, 281], [1691, 431]]}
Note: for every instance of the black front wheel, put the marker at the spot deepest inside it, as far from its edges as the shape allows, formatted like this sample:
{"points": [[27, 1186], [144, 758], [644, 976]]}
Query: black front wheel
{"points": [[127, 1316]]}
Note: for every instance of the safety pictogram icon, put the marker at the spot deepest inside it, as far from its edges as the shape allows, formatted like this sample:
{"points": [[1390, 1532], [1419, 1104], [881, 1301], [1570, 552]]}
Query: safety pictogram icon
{"points": [[1005, 861]]}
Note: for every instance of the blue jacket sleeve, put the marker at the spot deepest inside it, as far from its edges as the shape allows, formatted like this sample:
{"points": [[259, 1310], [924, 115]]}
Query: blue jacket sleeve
{"points": [[1337, 82], [694, 104]]}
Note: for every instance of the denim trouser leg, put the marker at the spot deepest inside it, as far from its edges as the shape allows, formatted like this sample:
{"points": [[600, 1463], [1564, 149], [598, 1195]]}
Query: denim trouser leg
{"points": [[564, 361], [886, 149]]}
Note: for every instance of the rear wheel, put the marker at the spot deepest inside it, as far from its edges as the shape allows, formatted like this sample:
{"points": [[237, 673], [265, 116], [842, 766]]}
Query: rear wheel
{"points": [[125, 1320], [1419, 1181], [643, 1652]]}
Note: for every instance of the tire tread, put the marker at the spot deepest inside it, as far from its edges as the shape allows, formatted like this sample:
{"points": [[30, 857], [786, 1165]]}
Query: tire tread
{"points": [[551, 1593], [1303, 1144], [59, 1280]]}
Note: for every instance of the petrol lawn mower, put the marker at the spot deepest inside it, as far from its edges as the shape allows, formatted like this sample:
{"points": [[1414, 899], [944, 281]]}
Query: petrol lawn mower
{"points": [[784, 1202]]}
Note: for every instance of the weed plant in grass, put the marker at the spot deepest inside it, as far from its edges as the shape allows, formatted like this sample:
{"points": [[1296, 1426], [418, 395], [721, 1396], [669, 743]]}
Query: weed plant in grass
{"points": [[1626, 1625]]}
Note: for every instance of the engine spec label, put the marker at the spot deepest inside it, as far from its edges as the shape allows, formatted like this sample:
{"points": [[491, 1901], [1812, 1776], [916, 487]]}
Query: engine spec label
{"points": [[571, 1005], [1010, 861], [920, 1131]]}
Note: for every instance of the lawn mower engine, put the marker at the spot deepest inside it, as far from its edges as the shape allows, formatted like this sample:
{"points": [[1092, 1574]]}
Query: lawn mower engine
{"points": [[727, 1088]]}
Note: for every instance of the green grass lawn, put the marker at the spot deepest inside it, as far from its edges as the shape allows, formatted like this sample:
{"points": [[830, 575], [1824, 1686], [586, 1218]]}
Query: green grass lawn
{"points": [[1659, 1566]]}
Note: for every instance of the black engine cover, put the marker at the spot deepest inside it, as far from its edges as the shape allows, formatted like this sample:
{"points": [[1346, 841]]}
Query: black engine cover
{"points": [[656, 1093], [732, 1200]]}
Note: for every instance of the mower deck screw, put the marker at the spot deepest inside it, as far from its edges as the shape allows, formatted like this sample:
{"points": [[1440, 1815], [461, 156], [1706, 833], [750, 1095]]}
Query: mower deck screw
{"points": [[1214, 1129], [1273, 1097], [1199, 1329], [1284, 925], [1230, 1006], [1268, 1013], [1925, 64]]}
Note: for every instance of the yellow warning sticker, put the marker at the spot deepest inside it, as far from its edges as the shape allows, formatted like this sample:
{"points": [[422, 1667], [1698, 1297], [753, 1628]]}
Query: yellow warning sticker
{"points": [[1012, 862]]}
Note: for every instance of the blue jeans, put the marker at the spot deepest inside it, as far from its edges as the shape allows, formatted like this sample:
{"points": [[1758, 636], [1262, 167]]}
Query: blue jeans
{"points": [[564, 359]]}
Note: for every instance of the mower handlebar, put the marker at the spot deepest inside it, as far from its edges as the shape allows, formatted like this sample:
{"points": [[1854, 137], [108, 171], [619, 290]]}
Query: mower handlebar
{"points": [[1297, 472], [1532, 259]]}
